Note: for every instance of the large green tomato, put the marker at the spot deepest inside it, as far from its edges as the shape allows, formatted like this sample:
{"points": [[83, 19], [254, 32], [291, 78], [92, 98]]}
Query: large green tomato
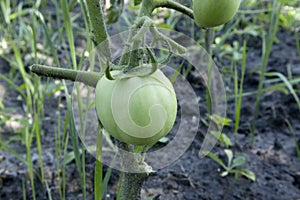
{"points": [[137, 110], [210, 13]]}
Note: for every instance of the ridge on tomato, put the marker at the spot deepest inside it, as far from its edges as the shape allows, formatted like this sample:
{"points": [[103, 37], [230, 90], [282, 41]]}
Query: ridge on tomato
{"points": [[210, 13], [137, 110]]}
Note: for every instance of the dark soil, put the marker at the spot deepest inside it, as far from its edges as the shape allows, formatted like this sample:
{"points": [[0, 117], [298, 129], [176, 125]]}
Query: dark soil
{"points": [[272, 157]]}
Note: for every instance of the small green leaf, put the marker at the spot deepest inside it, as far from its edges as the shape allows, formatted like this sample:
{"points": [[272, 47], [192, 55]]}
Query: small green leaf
{"points": [[248, 174], [220, 120], [239, 161], [115, 11], [229, 156], [226, 140], [137, 2], [215, 158], [70, 157], [163, 140], [164, 25]]}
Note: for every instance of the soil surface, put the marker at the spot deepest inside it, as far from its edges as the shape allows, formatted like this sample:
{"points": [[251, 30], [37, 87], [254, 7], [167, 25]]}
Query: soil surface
{"points": [[272, 156]]}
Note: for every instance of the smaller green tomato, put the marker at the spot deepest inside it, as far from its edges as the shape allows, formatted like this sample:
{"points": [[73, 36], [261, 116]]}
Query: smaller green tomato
{"points": [[137, 110], [210, 13]]}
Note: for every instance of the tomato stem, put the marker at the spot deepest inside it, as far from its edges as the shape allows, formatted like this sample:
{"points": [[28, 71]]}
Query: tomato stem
{"points": [[175, 6], [131, 183], [97, 23], [88, 78], [149, 5], [144, 21]]}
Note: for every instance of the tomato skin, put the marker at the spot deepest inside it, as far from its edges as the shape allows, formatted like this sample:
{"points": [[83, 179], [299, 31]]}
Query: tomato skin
{"points": [[210, 13], [137, 110]]}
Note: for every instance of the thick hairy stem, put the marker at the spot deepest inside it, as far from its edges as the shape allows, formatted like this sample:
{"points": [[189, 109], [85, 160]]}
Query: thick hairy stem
{"points": [[126, 52], [132, 183], [88, 78], [96, 17], [147, 8], [98, 28]]}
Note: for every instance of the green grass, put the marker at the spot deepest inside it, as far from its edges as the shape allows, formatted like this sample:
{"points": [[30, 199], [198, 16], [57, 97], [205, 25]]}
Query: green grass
{"points": [[32, 89], [238, 89], [268, 40]]}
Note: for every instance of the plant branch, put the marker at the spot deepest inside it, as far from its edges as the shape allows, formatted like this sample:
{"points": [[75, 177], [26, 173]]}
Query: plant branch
{"points": [[132, 183], [175, 6], [96, 17], [98, 27], [88, 78]]}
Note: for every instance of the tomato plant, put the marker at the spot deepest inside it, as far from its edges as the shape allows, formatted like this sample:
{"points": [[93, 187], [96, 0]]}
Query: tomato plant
{"points": [[135, 102], [137, 110], [210, 13]]}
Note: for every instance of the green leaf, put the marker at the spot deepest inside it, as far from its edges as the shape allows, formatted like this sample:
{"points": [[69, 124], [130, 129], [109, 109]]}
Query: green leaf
{"points": [[70, 157], [137, 2], [220, 120], [53, 87], [239, 161], [222, 138], [215, 158], [164, 25], [99, 188], [248, 174], [229, 156], [225, 139], [106, 180], [163, 140], [287, 83], [115, 11]]}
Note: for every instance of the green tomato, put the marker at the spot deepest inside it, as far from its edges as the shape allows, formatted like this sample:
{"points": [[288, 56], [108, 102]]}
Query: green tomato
{"points": [[210, 13], [137, 110]]}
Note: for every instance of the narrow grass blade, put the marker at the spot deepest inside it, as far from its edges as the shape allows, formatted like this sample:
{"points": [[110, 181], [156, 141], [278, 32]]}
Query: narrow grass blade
{"points": [[69, 31], [4, 146], [65, 148], [297, 43], [11, 83], [23, 189], [119, 193], [294, 137], [268, 39], [73, 134], [288, 85], [48, 191], [177, 72], [239, 92], [98, 168], [107, 177]]}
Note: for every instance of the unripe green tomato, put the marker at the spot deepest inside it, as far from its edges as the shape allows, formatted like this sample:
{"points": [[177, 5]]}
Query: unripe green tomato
{"points": [[137, 110], [210, 13]]}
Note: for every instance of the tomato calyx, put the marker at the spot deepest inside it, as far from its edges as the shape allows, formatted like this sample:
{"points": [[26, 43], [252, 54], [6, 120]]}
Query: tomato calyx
{"points": [[145, 69]]}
